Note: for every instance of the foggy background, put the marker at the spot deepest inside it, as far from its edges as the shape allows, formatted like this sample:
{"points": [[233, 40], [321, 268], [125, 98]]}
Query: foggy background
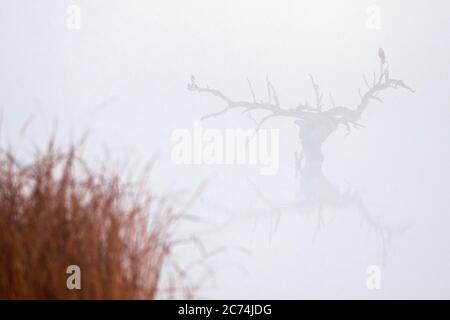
{"points": [[123, 77]]}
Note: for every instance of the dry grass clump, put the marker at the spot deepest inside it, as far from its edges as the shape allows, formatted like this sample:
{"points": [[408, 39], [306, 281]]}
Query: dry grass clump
{"points": [[56, 212]]}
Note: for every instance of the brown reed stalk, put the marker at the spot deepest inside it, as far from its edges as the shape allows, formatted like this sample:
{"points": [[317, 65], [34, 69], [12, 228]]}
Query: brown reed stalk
{"points": [[55, 211]]}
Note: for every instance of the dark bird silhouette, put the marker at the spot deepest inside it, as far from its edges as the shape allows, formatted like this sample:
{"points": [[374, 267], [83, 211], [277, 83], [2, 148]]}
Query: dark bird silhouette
{"points": [[381, 55], [192, 84]]}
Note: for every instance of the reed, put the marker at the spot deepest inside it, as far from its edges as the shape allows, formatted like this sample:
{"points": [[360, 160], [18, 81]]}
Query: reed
{"points": [[56, 211]]}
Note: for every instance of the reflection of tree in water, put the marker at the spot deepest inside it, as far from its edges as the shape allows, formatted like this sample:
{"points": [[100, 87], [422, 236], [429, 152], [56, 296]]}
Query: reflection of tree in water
{"points": [[315, 125]]}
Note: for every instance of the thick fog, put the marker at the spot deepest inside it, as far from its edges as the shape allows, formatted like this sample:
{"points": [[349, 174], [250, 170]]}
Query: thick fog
{"points": [[372, 222]]}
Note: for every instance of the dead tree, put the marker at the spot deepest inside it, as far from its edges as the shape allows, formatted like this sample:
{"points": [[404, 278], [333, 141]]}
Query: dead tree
{"points": [[316, 123]]}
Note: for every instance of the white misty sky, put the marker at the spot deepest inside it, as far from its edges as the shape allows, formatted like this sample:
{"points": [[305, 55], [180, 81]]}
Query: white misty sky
{"points": [[123, 76]]}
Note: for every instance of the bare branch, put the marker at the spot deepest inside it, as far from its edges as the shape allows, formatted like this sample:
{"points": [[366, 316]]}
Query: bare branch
{"points": [[263, 120], [317, 93], [215, 114], [251, 90], [384, 82], [338, 114], [194, 87], [272, 107], [367, 83], [269, 94], [274, 94]]}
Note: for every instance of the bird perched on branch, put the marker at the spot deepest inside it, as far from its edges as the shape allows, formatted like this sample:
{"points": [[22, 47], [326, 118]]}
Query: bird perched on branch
{"points": [[381, 55], [191, 85]]}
